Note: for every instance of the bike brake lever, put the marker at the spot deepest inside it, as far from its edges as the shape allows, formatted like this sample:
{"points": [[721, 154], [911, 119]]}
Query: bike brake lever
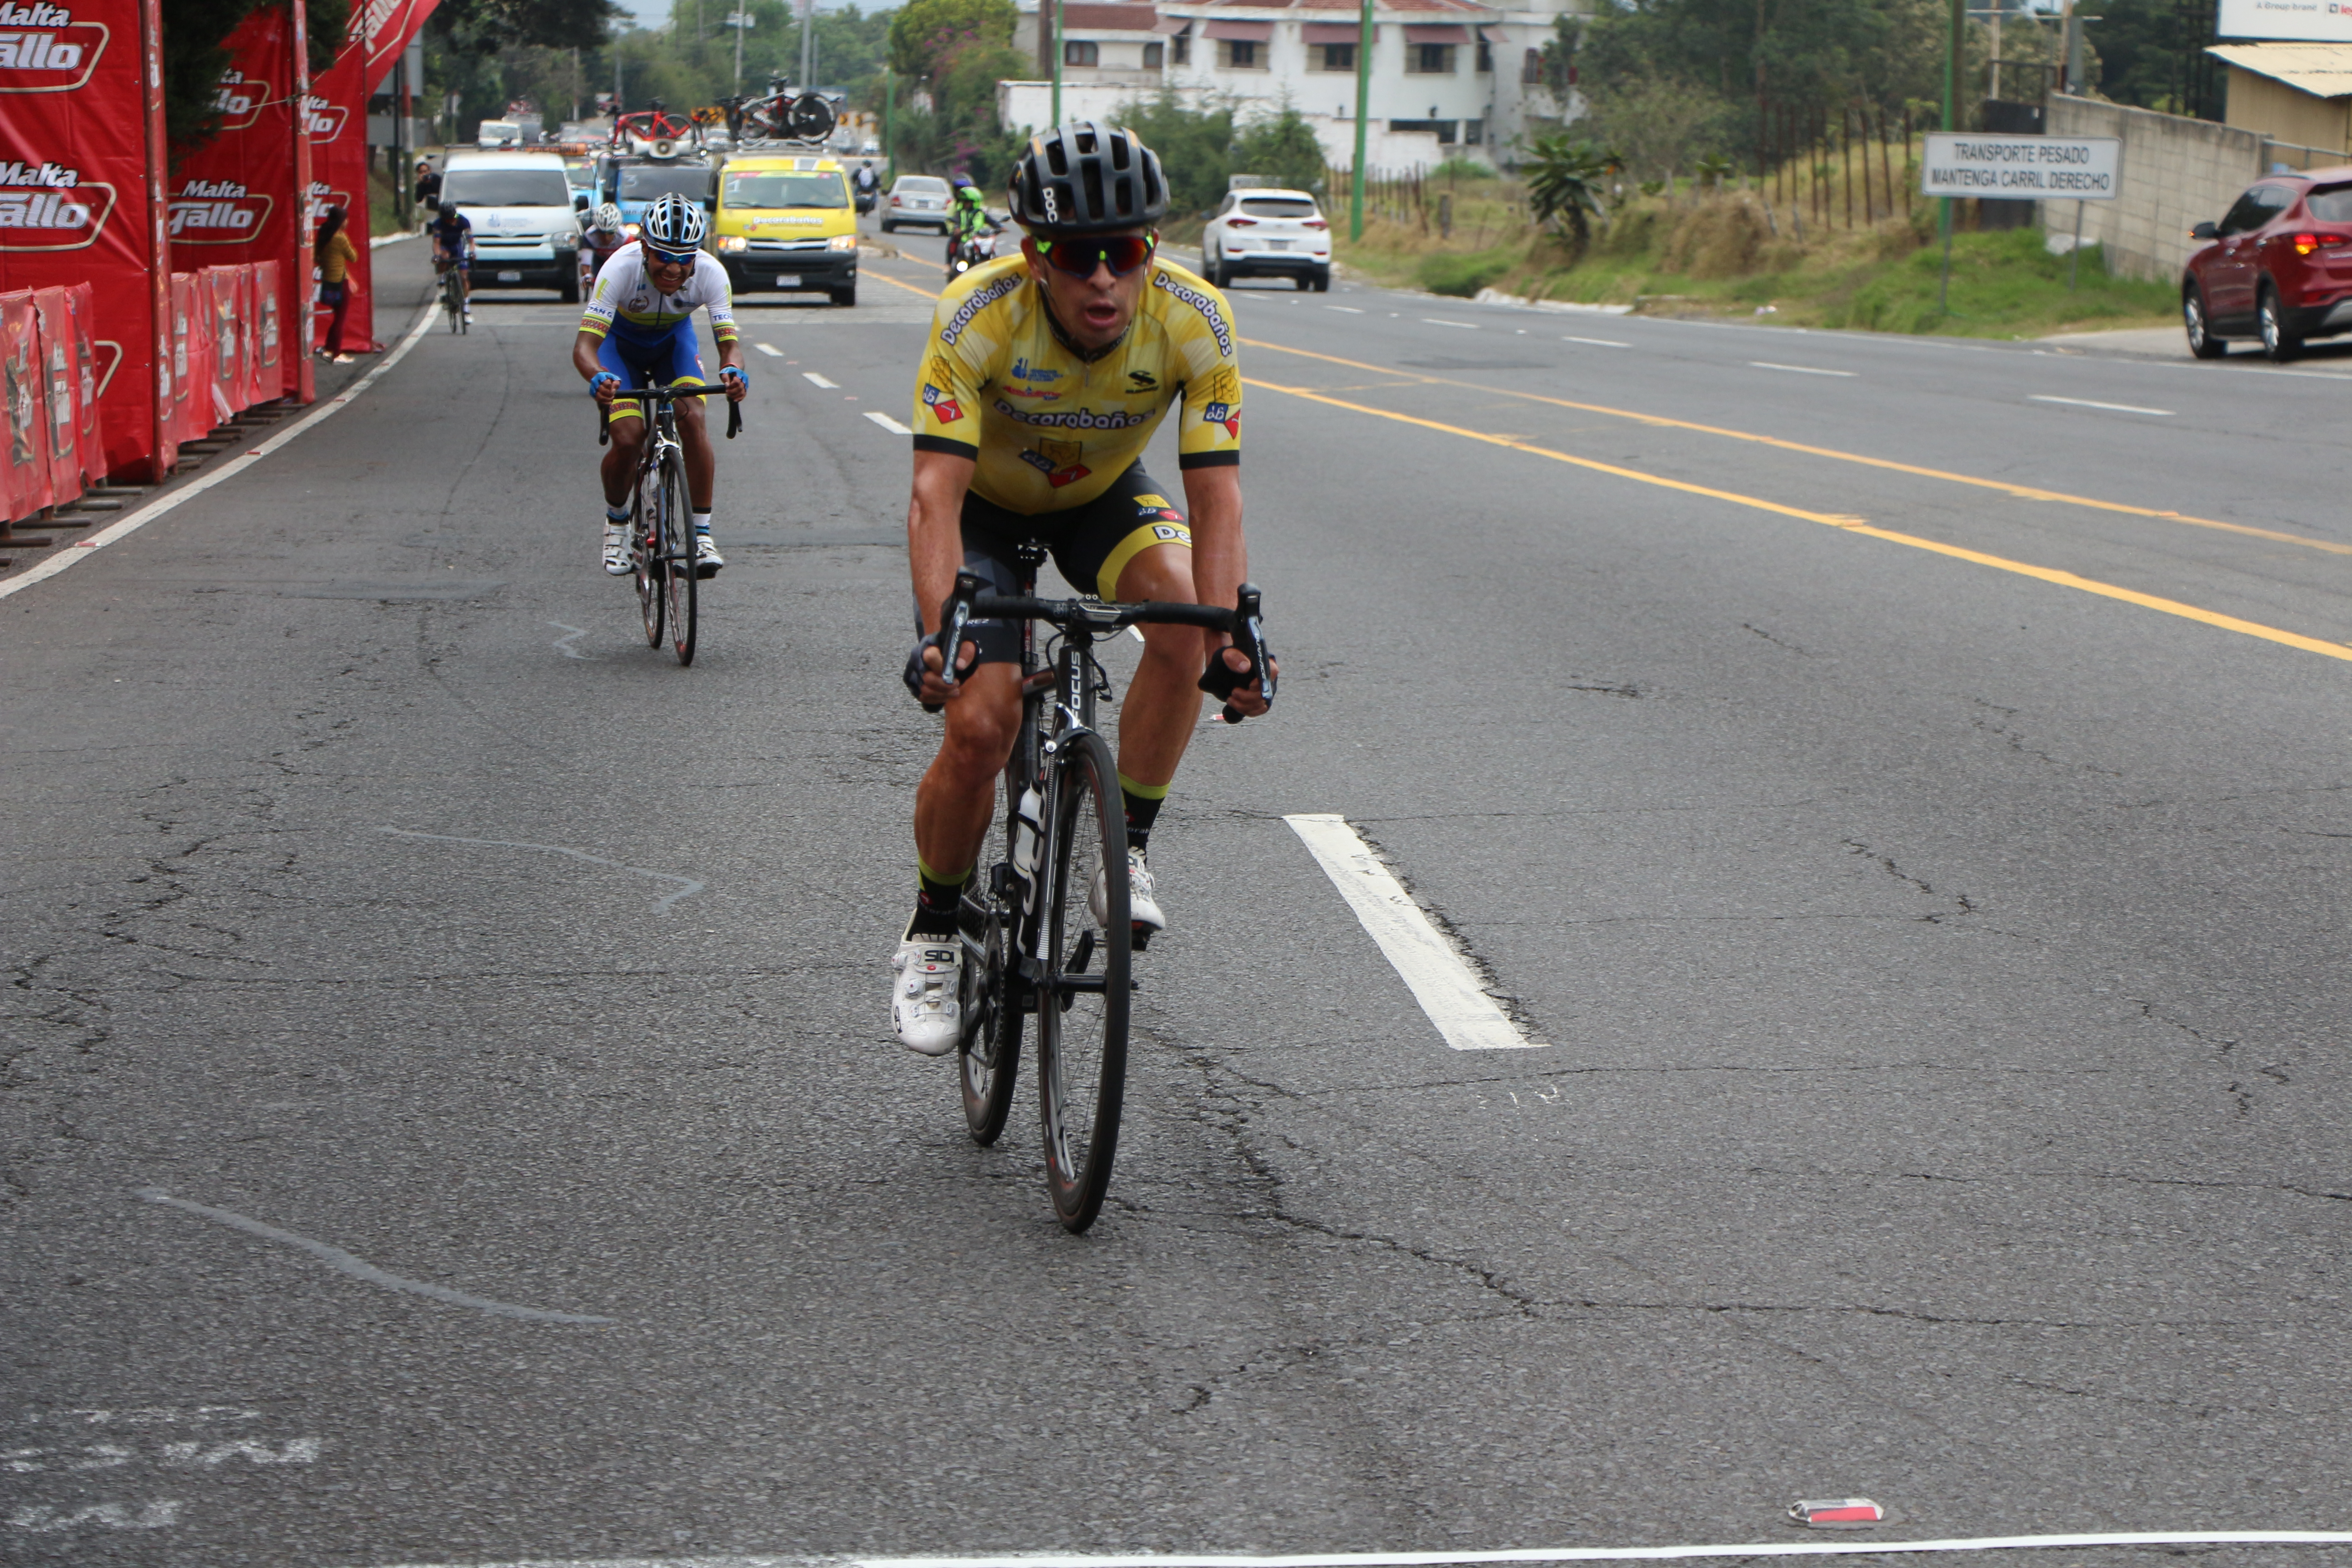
{"points": [[1249, 635], [954, 616], [734, 418], [604, 423]]}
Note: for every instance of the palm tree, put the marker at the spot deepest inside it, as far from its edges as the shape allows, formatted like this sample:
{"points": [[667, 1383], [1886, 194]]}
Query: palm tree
{"points": [[1565, 180]]}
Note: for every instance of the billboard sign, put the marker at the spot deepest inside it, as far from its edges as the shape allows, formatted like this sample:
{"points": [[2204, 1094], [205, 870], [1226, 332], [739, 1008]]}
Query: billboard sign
{"points": [[2287, 21]]}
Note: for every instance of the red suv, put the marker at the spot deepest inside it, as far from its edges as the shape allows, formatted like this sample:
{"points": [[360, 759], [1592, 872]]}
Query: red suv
{"points": [[2279, 268]]}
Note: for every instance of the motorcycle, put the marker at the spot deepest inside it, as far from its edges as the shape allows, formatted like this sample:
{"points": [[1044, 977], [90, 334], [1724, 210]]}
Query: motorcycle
{"points": [[963, 255], [868, 200]]}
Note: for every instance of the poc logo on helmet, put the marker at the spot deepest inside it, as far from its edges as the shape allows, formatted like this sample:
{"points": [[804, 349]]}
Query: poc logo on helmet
{"points": [[1053, 208]]}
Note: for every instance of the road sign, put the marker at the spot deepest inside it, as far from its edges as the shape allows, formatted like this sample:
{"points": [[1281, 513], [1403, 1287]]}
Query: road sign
{"points": [[2301, 21], [2021, 168]]}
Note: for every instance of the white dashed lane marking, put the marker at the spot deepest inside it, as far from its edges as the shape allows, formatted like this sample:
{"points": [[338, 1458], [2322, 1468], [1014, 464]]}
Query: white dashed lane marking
{"points": [[895, 429], [1430, 965], [1799, 369], [815, 380], [1441, 322], [2086, 403], [1597, 343], [770, 350]]}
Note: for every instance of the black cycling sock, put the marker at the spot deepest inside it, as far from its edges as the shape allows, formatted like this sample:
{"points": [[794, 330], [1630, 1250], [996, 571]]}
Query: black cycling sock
{"points": [[1142, 809], [936, 905]]}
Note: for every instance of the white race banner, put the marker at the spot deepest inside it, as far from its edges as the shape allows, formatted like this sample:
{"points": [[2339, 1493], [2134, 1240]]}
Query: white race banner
{"points": [[2299, 21], [2021, 168]]}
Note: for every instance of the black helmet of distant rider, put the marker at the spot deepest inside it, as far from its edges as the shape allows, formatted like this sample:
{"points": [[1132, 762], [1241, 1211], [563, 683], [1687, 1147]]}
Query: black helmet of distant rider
{"points": [[1088, 177]]}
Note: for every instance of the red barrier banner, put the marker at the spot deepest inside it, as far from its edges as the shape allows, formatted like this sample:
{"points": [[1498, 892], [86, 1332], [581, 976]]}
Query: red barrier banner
{"points": [[240, 196], [82, 162], [27, 482], [270, 315], [192, 375], [87, 384], [218, 293], [337, 106], [259, 388], [61, 389]]}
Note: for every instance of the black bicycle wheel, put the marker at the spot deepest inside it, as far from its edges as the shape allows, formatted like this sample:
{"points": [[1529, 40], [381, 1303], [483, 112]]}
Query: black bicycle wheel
{"points": [[678, 545], [646, 550], [449, 299], [989, 1055], [1081, 1002]]}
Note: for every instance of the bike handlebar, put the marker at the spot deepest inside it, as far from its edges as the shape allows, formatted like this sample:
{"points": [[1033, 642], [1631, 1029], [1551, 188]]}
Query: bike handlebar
{"points": [[1244, 622], [605, 410]]}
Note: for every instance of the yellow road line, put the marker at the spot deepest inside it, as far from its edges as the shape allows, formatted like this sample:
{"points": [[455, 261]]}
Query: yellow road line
{"points": [[1850, 524], [2008, 488], [909, 288]]}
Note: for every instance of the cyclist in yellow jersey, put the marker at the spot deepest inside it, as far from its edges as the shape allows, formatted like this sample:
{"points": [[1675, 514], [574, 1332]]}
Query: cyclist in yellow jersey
{"points": [[1046, 374]]}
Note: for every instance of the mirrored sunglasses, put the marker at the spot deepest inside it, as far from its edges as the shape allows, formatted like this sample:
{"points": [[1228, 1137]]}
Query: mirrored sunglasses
{"points": [[1079, 257]]}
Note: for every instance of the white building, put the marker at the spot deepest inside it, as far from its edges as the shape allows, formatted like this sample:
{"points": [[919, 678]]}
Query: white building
{"points": [[1449, 78]]}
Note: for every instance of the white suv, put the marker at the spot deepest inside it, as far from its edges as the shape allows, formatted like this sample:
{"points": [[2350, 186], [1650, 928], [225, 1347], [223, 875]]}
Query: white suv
{"points": [[1256, 231]]}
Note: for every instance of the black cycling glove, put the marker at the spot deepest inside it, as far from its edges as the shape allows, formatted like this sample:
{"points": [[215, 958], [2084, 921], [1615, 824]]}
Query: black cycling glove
{"points": [[1221, 680], [913, 674]]}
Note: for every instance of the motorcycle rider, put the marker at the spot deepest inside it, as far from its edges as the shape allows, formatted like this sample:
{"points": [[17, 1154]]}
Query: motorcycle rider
{"points": [[867, 185], [968, 219]]}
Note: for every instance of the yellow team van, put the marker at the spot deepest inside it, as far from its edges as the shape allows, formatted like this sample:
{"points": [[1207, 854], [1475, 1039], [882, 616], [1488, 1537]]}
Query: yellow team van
{"points": [[786, 223]]}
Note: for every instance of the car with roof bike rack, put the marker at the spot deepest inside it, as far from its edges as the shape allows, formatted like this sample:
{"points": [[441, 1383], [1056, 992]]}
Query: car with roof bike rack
{"points": [[1045, 926], [661, 514]]}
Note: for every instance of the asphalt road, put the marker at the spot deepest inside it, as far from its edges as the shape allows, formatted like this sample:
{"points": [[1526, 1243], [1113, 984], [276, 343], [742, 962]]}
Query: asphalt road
{"points": [[1901, 783]]}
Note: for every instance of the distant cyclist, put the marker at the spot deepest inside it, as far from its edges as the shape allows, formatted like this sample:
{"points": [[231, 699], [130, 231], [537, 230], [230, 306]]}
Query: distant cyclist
{"points": [[638, 331], [606, 233], [1045, 376], [453, 246]]}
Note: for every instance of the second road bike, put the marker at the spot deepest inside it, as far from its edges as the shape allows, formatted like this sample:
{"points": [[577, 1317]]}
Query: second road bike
{"points": [[661, 514], [1044, 925]]}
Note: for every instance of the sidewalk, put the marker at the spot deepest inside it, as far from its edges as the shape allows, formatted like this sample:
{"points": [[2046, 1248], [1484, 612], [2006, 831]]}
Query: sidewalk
{"points": [[404, 277]]}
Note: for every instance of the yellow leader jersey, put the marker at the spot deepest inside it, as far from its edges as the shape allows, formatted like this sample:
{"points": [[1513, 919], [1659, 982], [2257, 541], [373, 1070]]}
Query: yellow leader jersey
{"points": [[1050, 431]]}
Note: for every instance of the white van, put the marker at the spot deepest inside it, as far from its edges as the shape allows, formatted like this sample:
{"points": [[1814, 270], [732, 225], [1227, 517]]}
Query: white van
{"points": [[526, 218]]}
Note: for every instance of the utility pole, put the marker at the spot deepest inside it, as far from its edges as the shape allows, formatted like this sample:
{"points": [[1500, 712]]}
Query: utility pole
{"points": [[740, 21], [1363, 109], [1057, 61], [808, 44], [889, 146], [1952, 107]]}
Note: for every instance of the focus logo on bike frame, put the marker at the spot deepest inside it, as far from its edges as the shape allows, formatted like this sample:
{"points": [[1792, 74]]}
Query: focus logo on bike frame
{"points": [[49, 206], [44, 50], [217, 212]]}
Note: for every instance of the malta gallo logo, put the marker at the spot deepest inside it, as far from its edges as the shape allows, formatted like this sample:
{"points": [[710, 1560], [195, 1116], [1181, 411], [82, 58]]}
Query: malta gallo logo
{"points": [[238, 99], [44, 50], [324, 196], [49, 206], [217, 212], [322, 120]]}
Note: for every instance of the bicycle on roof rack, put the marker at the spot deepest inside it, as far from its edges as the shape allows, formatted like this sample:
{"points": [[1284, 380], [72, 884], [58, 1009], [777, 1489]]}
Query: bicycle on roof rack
{"points": [[661, 515], [779, 115], [1044, 925]]}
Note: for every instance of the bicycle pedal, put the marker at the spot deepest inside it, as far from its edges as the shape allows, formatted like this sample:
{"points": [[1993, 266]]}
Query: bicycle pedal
{"points": [[1141, 937]]}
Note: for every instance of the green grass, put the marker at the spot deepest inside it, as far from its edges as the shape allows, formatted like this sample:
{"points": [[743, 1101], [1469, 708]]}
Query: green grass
{"points": [[1721, 258]]}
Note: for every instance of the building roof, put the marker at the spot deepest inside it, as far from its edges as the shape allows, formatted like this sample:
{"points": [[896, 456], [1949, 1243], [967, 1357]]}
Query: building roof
{"points": [[2323, 70], [1110, 16], [1461, 8]]}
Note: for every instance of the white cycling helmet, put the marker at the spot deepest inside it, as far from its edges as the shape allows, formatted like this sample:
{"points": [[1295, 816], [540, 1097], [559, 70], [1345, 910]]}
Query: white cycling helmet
{"points": [[674, 225], [608, 219]]}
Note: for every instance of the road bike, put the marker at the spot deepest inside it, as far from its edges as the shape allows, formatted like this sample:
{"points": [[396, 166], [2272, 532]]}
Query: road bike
{"points": [[661, 514], [453, 293], [1044, 925]]}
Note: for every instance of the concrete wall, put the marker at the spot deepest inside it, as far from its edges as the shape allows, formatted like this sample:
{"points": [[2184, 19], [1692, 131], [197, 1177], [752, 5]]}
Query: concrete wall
{"points": [[2177, 172]]}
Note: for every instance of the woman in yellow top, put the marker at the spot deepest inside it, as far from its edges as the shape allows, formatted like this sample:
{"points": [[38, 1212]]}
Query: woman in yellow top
{"points": [[335, 255]]}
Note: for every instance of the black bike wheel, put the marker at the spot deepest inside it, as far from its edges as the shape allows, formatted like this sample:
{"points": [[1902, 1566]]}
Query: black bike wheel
{"points": [[645, 541], [989, 1055], [1081, 1002], [678, 545]]}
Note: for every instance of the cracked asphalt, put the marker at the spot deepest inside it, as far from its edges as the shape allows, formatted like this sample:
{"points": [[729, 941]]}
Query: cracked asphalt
{"points": [[1944, 972]]}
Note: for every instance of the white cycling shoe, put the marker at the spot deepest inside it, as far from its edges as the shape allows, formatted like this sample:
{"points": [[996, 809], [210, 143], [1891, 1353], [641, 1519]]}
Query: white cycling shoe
{"points": [[926, 980], [617, 550], [707, 559], [1142, 907]]}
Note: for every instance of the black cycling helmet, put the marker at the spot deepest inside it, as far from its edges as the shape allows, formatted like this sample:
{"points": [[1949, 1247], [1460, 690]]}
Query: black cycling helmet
{"points": [[1088, 177]]}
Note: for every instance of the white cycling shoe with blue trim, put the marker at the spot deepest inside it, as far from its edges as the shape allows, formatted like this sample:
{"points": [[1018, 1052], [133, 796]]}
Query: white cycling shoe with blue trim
{"points": [[1143, 905]]}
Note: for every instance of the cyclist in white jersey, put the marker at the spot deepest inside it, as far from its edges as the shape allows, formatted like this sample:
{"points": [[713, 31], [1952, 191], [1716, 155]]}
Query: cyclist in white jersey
{"points": [[638, 331]]}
